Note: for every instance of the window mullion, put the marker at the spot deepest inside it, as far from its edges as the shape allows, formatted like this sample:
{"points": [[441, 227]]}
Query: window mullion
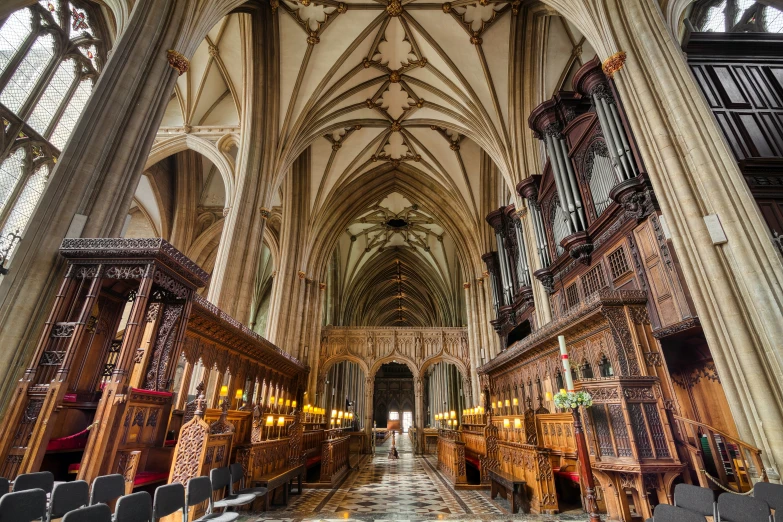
{"points": [[21, 182], [13, 65], [63, 105]]}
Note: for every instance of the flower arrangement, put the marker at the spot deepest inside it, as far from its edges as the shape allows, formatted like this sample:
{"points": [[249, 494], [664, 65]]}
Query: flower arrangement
{"points": [[572, 400]]}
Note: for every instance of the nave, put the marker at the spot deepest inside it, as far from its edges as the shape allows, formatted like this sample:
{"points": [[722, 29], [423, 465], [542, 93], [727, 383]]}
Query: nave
{"points": [[407, 489]]}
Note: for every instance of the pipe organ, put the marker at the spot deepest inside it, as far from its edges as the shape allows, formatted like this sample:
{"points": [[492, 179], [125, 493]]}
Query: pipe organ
{"points": [[616, 295]]}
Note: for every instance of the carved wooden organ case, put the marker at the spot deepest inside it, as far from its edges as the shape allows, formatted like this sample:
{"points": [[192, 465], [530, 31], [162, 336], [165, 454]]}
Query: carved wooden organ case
{"points": [[614, 289]]}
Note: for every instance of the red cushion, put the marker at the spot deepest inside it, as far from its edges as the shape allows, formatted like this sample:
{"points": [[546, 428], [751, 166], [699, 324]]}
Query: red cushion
{"points": [[74, 468], [473, 461], [312, 461], [71, 442], [148, 477], [170, 443], [573, 476]]}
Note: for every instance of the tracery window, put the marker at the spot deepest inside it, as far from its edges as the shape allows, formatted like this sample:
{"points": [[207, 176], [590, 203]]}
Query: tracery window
{"points": [[736, 16], [50, 58]]}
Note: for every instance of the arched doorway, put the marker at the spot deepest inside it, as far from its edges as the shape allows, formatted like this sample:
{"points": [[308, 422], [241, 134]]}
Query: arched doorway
{"points": [[394, 399]]}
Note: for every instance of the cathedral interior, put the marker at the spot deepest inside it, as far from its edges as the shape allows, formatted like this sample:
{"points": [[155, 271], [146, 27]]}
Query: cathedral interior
{"points": [[391, 260]]}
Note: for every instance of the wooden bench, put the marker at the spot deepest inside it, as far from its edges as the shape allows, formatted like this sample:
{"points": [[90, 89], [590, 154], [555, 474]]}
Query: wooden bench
{"points": [[272, 481], [514, 490]]}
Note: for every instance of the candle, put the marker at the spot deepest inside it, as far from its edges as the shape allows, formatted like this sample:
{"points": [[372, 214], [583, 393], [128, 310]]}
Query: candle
{"points": [[453, 414], [516, 402], [270, 421], [238, 394], [508, 403], [293, 404], [224, 391], [566, 363], [281, 421], [517, 424], [549, 396], [506, 423]]}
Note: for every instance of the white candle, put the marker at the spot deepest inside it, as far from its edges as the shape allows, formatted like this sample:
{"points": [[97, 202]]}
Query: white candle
{"points": [[566, 363]]}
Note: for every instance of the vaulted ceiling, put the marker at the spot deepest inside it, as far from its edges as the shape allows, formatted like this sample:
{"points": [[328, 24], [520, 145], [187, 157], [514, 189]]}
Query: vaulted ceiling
{"points": [[396, 267]]}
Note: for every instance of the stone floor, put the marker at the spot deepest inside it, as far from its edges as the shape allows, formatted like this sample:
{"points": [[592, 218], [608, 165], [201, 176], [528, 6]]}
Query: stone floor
{"points": [[407, 489]]}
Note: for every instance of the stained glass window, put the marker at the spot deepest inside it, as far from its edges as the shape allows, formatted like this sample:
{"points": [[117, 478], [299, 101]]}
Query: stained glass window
{"points": [[24, 80], [54, 52], [25, 205], [14, 32], [52, 97], [10, 173], [71, 114], [758, 19]]}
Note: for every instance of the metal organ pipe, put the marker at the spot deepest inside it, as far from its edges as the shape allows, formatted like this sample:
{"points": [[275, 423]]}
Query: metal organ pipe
{"points": [[560, 183], [581, 223], [541, 241], [523, 271], [505, 269]]}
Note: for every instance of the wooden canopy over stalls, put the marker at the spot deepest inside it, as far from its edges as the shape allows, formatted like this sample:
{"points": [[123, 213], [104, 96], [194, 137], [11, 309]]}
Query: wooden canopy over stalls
{"points": [[108, 389]]}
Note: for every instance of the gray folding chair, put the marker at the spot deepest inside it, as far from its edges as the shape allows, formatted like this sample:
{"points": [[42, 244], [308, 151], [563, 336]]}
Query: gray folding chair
{"points": [[107, 488], [739, 508], [40, 480], [199, 490], [238, 475], [168, 499], [96, 513], [67, 496], [669, 513], [136, 507], [772, 494], [23, 506], [696, 499], [221, 479]]}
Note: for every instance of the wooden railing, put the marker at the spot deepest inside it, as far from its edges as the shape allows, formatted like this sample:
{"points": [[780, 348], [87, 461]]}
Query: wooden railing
{"points": [[732, 462], [556, 433], [334, 459], [451, 457], [261, 458], [532, 464], [311, 441]]}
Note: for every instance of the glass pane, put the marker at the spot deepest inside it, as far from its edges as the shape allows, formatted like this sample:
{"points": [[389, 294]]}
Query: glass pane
{"points": [[90, 52], [53, 96], [23, 81], [773, 19], [10, 172], [25, 205], [71, 114], [12, 34]]}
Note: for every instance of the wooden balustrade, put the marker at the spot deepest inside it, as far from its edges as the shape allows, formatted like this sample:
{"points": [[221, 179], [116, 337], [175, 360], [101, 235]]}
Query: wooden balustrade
{"points": [[334, 459], [734, 463], [312, 440], [451, 457]]}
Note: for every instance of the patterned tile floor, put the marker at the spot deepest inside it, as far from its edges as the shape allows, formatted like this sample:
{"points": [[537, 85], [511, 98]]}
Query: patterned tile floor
{"points": [[407, 489]]}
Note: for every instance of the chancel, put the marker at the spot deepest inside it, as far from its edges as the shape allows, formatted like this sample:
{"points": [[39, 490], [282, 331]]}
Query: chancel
{"points": [[391, 260]]}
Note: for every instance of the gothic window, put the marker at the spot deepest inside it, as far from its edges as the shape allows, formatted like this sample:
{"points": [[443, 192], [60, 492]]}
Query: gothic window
{"points": [[736, 16], [50, 57], [587, 370]]}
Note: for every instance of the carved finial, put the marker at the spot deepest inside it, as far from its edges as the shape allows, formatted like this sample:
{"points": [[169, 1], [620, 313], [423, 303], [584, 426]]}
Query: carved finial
{"points": [[394, 8], [201, 401]]}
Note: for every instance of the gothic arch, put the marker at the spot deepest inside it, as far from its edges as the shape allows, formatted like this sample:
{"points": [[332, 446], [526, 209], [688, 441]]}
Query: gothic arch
{"points": [[206, 148]]}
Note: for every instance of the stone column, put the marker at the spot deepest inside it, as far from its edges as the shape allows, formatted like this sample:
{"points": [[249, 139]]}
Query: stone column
{"points": [[98, 171], [241, 243], [737, 287]]}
